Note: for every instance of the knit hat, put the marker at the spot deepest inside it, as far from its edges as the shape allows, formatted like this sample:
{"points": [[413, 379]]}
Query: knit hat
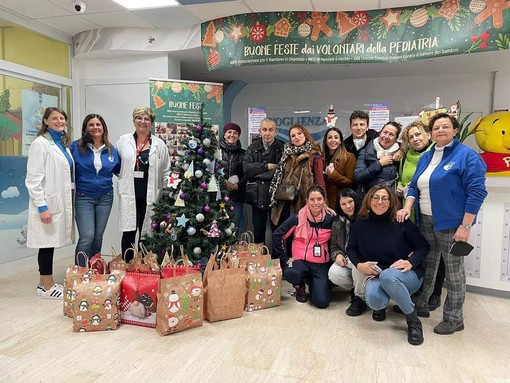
{"points": [[231, 126]]}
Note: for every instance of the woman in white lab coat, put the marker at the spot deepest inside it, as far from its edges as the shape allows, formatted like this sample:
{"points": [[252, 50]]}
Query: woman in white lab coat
{"points": [[144, 172], [49, 181]]}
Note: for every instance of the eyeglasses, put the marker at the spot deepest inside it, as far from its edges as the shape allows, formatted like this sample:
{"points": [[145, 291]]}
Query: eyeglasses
{"points": [[144, 119], [436, 128], [377, 198]]}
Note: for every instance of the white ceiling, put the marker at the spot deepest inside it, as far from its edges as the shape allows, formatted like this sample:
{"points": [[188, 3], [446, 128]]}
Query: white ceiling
{"points": [[59, 19]]}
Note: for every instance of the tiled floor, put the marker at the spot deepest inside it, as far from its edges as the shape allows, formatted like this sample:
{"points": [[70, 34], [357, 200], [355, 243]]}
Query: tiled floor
{"points": [[292, 343]]}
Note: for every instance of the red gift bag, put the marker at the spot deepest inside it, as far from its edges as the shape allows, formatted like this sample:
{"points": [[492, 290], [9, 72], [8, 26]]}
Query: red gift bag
{"points": [[172, 268], [138, 298]]}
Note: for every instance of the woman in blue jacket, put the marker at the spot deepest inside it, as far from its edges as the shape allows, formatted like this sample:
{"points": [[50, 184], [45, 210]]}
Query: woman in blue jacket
{"points": [[449, 188], [96, 161]]}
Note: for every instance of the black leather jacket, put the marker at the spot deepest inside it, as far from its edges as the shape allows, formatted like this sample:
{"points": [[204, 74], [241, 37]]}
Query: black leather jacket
{"points": [[257, 176]]}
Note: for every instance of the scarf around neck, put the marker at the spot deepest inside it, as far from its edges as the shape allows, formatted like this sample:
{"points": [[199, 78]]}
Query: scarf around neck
{"points": [[303, 228], [383, 152], [288, 150]]}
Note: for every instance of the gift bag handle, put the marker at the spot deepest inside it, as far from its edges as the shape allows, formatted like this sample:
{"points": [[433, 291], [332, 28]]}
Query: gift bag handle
{"points": [[85, 256]]}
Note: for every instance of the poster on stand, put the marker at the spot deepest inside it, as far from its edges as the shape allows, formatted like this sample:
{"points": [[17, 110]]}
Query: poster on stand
{"points": [[178, 103], [255, 116]]}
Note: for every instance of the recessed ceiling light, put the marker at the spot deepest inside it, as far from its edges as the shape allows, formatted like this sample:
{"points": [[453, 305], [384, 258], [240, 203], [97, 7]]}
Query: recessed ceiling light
{"points": [[144, 4], [301, 111]]}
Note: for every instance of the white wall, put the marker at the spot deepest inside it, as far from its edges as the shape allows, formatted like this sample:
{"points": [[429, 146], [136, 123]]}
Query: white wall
{"points": [[405, 94], [113, 88]]}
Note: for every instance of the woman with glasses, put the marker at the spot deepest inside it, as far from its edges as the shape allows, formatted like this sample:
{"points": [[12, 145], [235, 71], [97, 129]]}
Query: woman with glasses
{"points": [[447, 191], [377, 162], [144, 172], [391, 259]]}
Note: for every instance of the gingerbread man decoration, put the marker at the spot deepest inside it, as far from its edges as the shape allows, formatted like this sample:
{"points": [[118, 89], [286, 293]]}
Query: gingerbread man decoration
{"points": [[495, 9], [318, 23], [215, 92]]}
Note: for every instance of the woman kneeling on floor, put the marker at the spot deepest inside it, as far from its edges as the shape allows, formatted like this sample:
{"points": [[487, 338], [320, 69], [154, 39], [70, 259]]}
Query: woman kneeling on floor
{"points": [[390, 254], [310, 232]]}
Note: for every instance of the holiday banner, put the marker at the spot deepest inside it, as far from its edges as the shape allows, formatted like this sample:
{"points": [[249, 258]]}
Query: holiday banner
{"points": [[450, 27], [178, 103]]}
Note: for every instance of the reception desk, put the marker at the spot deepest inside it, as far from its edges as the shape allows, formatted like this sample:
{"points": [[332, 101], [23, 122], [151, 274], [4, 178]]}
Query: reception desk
{"points": [[488, 266]]}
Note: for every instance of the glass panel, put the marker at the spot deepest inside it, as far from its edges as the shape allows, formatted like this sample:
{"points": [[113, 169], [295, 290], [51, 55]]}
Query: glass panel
{"points": [[22, 103]]}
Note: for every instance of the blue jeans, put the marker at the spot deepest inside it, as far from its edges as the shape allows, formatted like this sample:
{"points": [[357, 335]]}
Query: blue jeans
{"points": [[239, 217], [91, 215], [392, 284]]}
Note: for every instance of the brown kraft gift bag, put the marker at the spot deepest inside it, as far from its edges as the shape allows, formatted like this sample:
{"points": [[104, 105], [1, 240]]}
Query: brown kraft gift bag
{"points": [[224, 289], [180, 301], [74, 273], [264, 284], [97, 303]]}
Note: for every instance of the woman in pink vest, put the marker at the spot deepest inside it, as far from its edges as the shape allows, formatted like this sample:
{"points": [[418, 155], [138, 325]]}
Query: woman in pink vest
{"points": [[309, 261]]}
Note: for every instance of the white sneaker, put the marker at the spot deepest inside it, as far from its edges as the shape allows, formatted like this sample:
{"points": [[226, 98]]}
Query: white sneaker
{"points": [[39, 290], [56, 292]]}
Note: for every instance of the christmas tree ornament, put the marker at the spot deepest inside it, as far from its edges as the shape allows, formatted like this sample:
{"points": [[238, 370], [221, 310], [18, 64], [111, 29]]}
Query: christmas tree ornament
{"points": [[192, 144], [206, 142], [163, 225], [220, 172], [182, 195], [198, 127], [200, 152], [227, 198], [199, 173], [168, 217], [213, 231], [206, 161], [191, 230], [228, 232], [173, 236], [185, 166], [213, 184], [197, 251], [200, 217], [218, 195], [204, 185], [168, 230], [231, 207], [182, 220], [179, 201], [154, 225], [210, 168], [189, 172], [174, 180], [207, 209]]}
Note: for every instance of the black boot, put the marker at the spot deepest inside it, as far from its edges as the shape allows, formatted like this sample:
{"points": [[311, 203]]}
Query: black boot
{"points": [[414, 329]]}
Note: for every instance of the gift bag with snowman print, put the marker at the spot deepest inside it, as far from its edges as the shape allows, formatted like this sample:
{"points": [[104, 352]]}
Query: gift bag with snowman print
{"points": [[264, 284], [96, 307], [180, 304]]}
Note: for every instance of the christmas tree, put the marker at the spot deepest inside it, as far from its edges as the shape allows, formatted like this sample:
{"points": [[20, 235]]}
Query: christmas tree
{"points": [[194, 210]]}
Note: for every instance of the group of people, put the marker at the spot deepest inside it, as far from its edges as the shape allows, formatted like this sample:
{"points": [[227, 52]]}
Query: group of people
{"points": [[370, 214], [377, 245], [74, 180]]}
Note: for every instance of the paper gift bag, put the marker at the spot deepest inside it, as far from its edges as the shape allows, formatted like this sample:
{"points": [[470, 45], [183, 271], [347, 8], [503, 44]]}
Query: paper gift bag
{"points": [[118, 261], [97, 303], [139, 298], [246, 246], [74, 273], [264, 284], [180, 303], [224, 289], [98, 264], [183, 266]]}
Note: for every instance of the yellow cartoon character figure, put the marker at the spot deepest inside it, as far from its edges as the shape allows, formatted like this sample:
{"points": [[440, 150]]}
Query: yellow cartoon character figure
{"points": [[492, 134]]}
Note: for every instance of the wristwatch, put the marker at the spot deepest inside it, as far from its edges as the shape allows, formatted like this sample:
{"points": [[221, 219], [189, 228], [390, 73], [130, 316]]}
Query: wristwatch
{"points": [[467, 226]]}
